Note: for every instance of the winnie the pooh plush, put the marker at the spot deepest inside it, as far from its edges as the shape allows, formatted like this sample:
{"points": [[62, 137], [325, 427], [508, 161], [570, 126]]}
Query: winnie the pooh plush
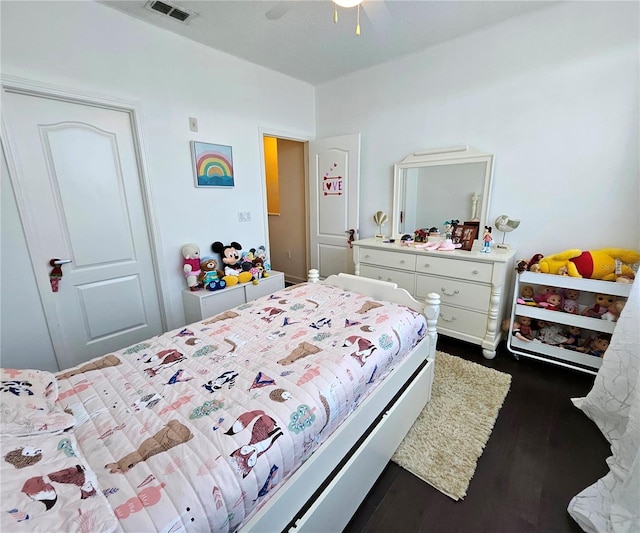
{"points": [[604, 264]]}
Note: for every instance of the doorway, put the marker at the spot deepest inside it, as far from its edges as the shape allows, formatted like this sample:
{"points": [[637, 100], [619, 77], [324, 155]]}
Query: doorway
{"points": [[286, 178]]}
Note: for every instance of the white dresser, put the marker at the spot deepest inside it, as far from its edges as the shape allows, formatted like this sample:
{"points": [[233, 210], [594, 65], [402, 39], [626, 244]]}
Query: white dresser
{"points": [[202, 304], [471, 285]]}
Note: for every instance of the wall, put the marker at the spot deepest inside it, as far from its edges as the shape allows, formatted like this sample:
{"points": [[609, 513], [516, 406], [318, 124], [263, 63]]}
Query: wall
{"points": [[553, 94], [88, 47]]}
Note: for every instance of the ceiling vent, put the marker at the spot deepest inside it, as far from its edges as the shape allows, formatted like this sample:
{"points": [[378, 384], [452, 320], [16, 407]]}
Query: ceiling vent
{"points": [[172, 11]]}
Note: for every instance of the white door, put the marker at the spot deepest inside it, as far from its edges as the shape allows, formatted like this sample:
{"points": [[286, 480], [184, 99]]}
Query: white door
{"points": [[77, 184], [334, 179]]}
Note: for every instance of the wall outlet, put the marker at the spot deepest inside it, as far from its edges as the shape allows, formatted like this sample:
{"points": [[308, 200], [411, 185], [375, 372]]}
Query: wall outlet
{"points": [[288, 252], [244, 216]]}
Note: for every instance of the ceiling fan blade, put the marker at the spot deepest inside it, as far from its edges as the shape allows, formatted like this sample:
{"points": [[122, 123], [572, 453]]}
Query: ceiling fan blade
{"points": [[278, 11], [378, 14]]}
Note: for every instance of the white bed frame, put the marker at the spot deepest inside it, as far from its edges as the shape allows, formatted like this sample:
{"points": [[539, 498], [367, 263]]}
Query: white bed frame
{"points": [[324, 493]]}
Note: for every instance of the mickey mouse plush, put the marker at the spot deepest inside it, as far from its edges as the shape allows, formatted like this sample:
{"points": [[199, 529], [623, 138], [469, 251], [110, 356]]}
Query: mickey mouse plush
{"points": [[234, 273]]}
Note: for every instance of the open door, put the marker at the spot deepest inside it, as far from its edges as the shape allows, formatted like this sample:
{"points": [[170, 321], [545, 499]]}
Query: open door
{"points": [[334, 182]]}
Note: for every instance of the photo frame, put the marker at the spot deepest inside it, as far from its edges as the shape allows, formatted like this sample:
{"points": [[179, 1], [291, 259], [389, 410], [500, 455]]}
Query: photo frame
{"points": [[464, 234], [212, 164]]}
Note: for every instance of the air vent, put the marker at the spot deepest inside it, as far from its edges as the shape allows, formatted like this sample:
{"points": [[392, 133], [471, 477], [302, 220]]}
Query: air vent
{"points": [[165, 8]]}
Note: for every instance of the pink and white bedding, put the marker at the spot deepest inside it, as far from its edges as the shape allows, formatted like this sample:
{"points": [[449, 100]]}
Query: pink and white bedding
{"points": [[195, 428]]}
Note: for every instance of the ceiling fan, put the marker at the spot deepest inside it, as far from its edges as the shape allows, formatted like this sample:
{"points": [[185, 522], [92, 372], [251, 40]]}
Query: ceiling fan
{"points": [[376, 11]]}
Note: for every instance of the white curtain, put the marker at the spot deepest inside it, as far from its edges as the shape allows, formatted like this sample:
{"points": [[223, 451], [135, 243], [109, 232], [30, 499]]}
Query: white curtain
{"points": [[612, 504]]}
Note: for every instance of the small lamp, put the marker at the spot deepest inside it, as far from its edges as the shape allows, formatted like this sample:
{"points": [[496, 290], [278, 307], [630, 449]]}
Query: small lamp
{"points": [[380, 218], [505, 224]]}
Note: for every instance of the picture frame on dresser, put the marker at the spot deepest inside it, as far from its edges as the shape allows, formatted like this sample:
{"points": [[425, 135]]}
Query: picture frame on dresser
{"points": [[464, 234]]}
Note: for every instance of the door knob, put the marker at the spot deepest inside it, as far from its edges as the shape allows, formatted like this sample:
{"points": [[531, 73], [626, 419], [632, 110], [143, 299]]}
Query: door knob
{"points": [[56, 272]]}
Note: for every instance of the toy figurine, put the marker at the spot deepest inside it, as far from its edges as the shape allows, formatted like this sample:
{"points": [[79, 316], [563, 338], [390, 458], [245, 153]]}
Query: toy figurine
{"points": [[487, 239]]}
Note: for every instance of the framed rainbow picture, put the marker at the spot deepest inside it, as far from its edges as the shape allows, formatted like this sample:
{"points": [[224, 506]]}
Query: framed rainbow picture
{"points": [[212, 164]]}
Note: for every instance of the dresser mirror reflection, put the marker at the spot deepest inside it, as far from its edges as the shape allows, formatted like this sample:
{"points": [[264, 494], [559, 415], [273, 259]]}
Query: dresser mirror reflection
{"points": [[433, 186]]}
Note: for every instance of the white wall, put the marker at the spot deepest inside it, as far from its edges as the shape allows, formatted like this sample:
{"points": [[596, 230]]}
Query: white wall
{"points": [[88, 47], [553, 94]]}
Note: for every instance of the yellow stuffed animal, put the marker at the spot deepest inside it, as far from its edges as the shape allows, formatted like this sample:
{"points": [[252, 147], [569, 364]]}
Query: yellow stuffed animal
{"points": [[605, 264]]}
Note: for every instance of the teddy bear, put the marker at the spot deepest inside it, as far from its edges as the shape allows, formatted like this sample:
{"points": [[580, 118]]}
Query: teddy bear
{"points": [[604, 264], [209, 277], [191, 265], [233, 270]]}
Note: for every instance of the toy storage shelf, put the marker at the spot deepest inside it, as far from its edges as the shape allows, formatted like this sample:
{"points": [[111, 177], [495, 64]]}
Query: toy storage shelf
{"points": [[552, 354]]}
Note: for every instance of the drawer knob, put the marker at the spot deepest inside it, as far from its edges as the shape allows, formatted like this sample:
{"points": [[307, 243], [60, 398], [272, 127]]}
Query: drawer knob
{"points": [[402, 261], [450, 293], [380, 278], [389, 279], [367, 256], [453, 317], [427, 265], [474, 272]]}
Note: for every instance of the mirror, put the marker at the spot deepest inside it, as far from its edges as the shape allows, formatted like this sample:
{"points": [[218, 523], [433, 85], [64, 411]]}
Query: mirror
{"points": [[431, 187]]}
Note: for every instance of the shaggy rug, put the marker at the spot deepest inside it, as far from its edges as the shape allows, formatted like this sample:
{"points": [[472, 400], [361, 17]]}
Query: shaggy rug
{"points": [[444, 444]]}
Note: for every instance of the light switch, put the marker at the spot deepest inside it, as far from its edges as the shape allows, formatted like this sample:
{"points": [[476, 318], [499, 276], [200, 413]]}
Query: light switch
{"points": [[193, 124]]}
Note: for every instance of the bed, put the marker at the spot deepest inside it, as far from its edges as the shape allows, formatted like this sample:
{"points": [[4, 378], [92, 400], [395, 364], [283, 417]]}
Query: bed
{"points": [[278, 415]]}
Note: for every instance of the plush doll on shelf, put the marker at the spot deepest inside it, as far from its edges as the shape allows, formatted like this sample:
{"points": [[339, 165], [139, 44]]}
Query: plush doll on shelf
{"points": [[598, 345], [233, 271], [552, 301], [570, 304], [191, 265], [600, 306], [614, 310], [574, 338], [550, 333], [516, 330], [605, 264], [209, 275], [526, 296], [261, 253]]}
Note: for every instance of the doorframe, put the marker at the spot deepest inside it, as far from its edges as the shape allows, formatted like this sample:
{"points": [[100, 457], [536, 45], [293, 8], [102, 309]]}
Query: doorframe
{"points": [[289, 136], [74, 96]]}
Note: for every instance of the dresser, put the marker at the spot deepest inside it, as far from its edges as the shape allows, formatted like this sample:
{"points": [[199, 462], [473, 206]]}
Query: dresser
{"points": [[202, 304], [472, 286]]}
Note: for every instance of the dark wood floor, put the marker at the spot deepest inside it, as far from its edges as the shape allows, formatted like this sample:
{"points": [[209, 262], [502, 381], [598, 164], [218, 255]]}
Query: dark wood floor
{"points": [[542, 452]]}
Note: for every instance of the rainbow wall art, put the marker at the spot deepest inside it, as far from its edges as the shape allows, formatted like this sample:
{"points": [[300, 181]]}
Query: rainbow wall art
{"points": [[213, 164]]}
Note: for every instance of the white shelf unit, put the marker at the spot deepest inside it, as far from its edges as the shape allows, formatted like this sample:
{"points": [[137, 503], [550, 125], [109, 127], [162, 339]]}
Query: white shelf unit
{"points": [[202, 304], [552, 354]]}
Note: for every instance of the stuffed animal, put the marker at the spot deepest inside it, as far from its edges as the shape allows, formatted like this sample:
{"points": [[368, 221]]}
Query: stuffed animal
{"points": [[209, 277], [191, 265], [570, 304], [233, 271], [605, 264]]}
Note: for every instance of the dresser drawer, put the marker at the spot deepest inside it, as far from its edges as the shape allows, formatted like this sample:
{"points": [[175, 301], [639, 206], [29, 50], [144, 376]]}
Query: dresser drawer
{"points": [[219, 301], [463, 321], [442, 266], [455, 292], [404, 280], [388, 259]]}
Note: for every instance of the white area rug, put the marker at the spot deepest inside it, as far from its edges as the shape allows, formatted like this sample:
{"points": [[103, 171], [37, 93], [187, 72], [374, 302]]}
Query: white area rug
{"points": [[444, 444]]}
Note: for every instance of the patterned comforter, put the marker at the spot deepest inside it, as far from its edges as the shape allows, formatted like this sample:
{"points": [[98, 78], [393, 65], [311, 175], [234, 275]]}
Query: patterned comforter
{"points": [[193, 429]]}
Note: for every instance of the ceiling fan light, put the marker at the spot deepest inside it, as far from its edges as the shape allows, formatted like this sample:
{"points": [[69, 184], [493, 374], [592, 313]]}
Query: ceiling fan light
{"points": [[347, 3]]}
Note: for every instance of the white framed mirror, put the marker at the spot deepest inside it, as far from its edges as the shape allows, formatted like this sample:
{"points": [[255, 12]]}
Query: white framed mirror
{"points": [[431, 187]]}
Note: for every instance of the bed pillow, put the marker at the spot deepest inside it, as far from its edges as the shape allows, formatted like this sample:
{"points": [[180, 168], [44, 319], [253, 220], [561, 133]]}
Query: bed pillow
{"points": [[27, 403]]}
